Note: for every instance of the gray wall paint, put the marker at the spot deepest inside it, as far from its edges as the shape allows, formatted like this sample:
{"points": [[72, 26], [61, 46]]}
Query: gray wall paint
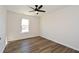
{"points": [[62, 26], [2, 28], [14, 26]]}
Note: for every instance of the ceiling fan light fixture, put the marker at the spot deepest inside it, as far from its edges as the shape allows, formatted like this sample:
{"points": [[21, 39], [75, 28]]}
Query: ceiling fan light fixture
{"points": [[36, 12]]}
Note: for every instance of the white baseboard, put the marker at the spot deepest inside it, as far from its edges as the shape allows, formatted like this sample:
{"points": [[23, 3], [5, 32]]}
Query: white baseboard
{"points": [[60, 42]]}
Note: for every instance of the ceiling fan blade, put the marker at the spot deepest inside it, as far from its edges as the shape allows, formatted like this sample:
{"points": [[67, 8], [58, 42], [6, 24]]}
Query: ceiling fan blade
{"points": [[40, 6], [31, 11], [32, 8], [41, 11]]}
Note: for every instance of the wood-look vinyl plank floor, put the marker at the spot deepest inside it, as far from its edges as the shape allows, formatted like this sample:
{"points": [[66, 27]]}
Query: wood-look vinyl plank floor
{"points": [[36, 45]]}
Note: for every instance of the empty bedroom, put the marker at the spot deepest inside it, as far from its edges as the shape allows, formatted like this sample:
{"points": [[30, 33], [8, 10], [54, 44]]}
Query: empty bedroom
{"points": [[39, 29]]}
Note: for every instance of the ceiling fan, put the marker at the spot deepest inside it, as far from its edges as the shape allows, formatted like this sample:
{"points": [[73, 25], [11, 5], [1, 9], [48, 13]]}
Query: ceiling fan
{"points": [[37, 9]]}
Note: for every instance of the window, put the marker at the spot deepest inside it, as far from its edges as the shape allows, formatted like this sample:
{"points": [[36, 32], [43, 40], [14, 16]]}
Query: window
{"points": [[24, 25]]}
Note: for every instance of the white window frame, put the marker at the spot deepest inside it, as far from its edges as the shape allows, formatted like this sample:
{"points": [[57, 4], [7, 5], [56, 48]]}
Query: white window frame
{"points": [[26, 25]]}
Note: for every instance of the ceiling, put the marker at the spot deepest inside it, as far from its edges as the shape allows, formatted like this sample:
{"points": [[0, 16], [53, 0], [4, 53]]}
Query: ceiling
{"points": [[24, 9]]}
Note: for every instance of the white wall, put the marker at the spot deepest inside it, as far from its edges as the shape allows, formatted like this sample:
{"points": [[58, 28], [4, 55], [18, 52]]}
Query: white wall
{"points": [[14, 26], [62, 26], [2, 28]]}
